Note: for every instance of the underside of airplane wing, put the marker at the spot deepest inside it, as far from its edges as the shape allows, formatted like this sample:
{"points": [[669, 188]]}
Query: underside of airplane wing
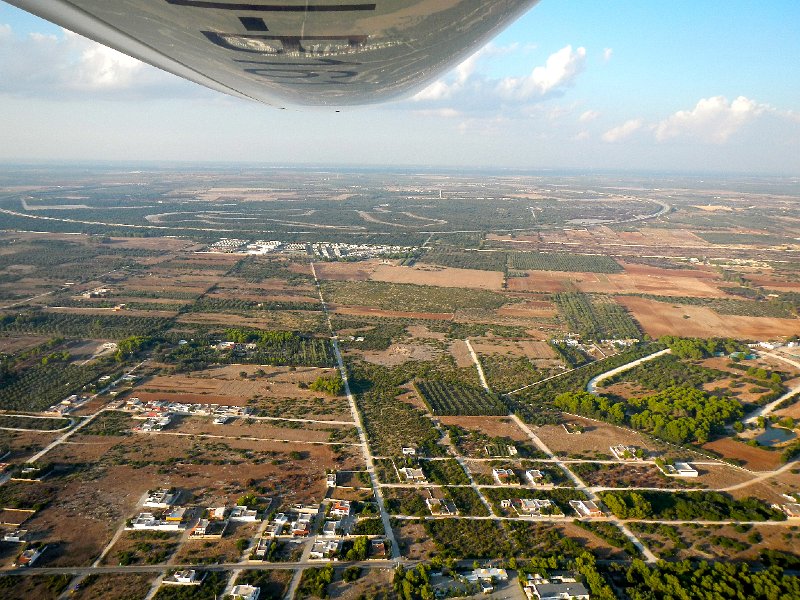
{"points": [[313, 52]]}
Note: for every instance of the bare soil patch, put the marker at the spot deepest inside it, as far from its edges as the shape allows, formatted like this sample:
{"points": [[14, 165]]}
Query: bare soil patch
{"points": [[439, 276], [344, 271], [790, 411], [491, 426], [226, 386], [529, 309], [278, 430], [721, 475], [770, 283], [461, 354], [755, 459], [595, 441], [14, 344], [595, 544], [414, 541], [420, 331], [128, 586], [397, 354], [646, 280], [373, 583], [660, 318], [222, 550], [24, 444]]}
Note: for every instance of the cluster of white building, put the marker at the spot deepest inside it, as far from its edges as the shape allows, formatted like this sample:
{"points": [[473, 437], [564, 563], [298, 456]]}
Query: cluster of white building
{"points": [[157, 414], [227, 245], [531, 507], [155, 408], [323, 250], [339, 251]]}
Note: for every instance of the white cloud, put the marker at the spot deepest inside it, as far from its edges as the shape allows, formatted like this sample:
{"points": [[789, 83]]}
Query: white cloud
{"points": [[559, 70], [99, 67], [588, 116], [459, 77], [623, 131], [607, 54], [38, 65], [711, 120], [472, 90]]}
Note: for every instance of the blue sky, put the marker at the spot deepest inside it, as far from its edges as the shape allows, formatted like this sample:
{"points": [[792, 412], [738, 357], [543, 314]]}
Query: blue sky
{"points": [[680, 85]]}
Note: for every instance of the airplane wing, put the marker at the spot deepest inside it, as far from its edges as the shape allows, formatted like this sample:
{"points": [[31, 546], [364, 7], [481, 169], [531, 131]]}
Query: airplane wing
{"points": [[314, 52]]}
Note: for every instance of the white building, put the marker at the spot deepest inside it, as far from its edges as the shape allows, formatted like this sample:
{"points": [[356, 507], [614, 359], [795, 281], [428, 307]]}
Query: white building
{"points": [[161, 498], [330, 528], [503, 476], [586, 508], [534, 476], [324, 549], [413, 475], [148, 521], [243, 514], [245, 592], [558, 587]]}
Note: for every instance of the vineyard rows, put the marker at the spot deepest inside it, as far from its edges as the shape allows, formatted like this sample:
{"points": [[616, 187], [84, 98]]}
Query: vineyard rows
{"points": [[448, 399], [596, 319]]}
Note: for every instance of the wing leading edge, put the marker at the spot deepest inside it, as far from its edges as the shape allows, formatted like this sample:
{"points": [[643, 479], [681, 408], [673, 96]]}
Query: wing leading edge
{"points": [[313, 52]]}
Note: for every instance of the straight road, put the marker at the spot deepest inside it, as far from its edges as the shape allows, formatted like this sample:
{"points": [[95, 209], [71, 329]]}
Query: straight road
{"points": [[359, 424], [478, 366]]}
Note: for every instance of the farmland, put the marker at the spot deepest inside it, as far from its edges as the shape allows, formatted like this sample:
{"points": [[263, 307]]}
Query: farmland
{"points": [[596, 318], [539, 261], [446, 399], [408, 297], [190, 364]]}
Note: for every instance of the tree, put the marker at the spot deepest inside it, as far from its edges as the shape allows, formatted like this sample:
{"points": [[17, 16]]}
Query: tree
{"points": [[330, 384]]}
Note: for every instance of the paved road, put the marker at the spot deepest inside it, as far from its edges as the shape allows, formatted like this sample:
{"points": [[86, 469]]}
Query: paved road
{"points": [[359, 425], [580, 485], [591, 387], [235, 567], [763, 411], [762, 477], [244, 437], [478, 366]]}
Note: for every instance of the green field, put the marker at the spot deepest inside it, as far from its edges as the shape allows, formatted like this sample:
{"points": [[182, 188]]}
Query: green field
{"points": [[596, 317], [579, 263], [453, 399], [460, 259], [409, 297]]}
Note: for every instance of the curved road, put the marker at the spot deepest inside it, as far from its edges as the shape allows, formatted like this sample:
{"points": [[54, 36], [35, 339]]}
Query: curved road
{"points": [[591, 387]]}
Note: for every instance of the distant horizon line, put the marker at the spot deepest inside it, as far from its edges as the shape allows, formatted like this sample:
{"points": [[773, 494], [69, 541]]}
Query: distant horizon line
{"points": [[155, 164]]}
